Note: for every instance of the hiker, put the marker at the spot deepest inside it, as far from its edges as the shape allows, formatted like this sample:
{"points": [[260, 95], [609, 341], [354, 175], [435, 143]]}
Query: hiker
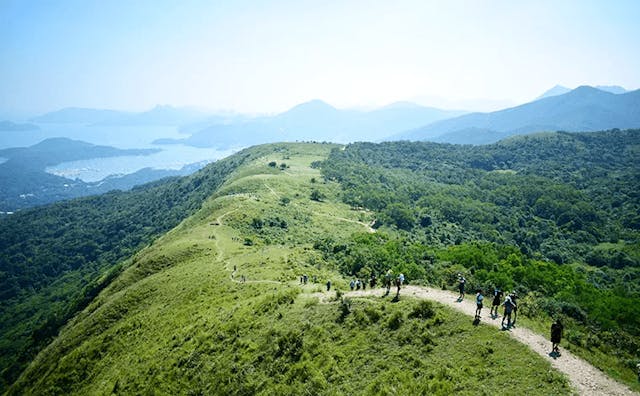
{"points": [[305, 278], [352, 284], [387, 280], [364, 285], [508, 308], [401, 277], [497, 300], [398, 283], [514, 299], [461, 282], [479, 299], [328, 285], [372, 281], [357, 284], [556, 336]]}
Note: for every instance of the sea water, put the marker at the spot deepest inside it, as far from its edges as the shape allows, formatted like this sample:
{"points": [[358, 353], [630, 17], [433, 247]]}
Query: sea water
{"points": [[173, 156]]}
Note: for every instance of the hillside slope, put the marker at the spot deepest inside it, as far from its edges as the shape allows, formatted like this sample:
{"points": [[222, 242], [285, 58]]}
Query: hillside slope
{"points": [[54, 259], [215, 306]]}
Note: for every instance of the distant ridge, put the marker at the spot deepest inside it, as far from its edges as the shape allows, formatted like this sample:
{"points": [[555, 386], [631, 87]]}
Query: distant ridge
{"points": [[13, 127], [159, 115], [582, 109], [78, 115], [555, 91], [561, 90], [316, 121]]}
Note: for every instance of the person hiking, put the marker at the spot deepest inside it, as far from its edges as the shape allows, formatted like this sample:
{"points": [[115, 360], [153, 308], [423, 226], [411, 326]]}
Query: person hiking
{"points": [[479, 299], [461, 282], [328, 285], [352, 284], [514, 299], [357, 284], [556, 336], [497, 300], [508, 308], [387, 280], [401, 277], [398, 284], [372, 281]]}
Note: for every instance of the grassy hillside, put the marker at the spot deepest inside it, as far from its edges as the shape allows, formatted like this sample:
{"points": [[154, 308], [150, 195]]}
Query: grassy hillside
{"points": [[55, 259], [180, 320]]}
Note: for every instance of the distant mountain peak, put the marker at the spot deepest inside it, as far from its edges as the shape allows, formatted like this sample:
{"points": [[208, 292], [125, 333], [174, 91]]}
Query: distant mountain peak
{"points": [[582, 109], [587, 90], [315, 105], [555, 91], [561, 90]]}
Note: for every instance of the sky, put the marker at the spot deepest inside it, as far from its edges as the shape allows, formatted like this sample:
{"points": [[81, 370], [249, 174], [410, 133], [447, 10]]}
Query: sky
{"points": [[267, 56]]}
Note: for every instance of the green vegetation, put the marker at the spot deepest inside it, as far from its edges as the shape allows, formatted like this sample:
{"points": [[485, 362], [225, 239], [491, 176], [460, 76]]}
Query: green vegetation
{"points": [[553, 216], [54, 260], [214, 305], [179, 318]]}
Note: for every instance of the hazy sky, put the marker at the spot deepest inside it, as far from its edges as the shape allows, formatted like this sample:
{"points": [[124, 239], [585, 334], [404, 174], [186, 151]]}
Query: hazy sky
{"points": [[266, 56]]}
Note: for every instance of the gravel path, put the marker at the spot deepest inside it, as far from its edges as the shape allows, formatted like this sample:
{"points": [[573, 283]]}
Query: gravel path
{"points": [[586, 379]]}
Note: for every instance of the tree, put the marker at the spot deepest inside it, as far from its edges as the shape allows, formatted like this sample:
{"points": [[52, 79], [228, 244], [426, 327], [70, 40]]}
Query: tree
{"points": [[316, 196]]}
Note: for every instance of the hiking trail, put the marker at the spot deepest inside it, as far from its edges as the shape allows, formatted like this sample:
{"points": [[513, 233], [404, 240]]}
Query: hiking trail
{"points": [[585, 379]]}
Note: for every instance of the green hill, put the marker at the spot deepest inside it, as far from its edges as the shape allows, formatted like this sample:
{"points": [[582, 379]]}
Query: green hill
{"points": [[179, 319], [215, 305]]}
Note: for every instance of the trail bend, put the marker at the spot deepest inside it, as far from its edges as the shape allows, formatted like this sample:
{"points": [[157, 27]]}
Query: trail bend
{"points": [[585, 379]]}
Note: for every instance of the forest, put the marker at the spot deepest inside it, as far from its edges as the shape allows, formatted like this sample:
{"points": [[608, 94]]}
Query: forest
{"points": [[553, 216]]}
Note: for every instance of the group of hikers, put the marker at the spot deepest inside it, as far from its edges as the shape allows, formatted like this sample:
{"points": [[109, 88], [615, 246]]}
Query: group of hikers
{"points": [[510, 304], [304, 279], [388, 280], [510, 309]]}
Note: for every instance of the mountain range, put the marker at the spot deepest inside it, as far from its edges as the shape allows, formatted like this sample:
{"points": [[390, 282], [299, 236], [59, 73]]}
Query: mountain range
{"points": [[317, 121], [561, 90], [159, 115], [582, 109]]}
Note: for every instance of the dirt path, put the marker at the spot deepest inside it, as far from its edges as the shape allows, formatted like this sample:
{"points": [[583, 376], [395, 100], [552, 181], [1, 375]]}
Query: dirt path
{"points": [[585, 378], [220, 255], [367, 226], [272, 190]]}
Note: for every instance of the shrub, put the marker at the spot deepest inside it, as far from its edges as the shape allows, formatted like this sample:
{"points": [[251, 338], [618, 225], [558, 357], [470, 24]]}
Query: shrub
{"points": [[345, 309], [395, 321], [316, 196], [423, 310]]}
